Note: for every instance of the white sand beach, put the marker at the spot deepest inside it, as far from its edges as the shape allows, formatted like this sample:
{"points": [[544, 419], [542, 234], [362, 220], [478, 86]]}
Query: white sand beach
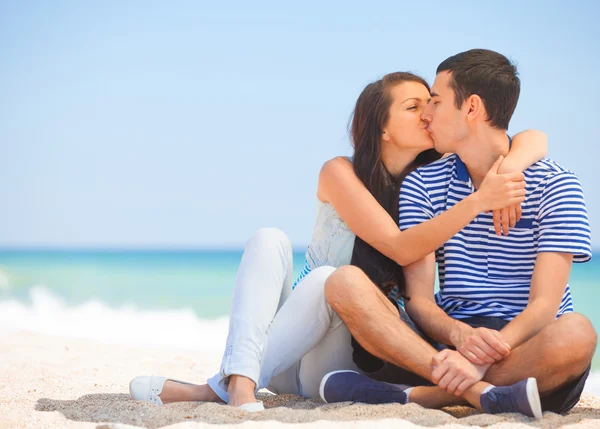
{"points": [[58, 382]]}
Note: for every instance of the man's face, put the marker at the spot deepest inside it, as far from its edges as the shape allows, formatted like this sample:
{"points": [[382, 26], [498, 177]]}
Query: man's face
{"points": [[447, 124]]}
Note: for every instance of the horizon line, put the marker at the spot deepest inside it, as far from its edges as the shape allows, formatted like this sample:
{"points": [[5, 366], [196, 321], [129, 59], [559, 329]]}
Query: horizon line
{"points": [[146, 249]]}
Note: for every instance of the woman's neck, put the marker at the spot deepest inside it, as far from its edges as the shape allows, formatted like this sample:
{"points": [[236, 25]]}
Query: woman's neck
{"points": [[396, 160]]}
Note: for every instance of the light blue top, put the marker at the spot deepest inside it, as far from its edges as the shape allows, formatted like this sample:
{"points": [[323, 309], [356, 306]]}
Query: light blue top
{"points": [[332, 241], [332, 244]]}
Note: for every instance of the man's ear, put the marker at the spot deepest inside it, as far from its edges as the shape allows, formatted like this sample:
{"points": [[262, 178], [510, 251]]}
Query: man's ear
{"points": [[475, 107]]}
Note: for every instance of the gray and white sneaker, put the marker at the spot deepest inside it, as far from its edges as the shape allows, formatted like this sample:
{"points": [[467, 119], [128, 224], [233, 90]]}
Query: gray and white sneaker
{"points": [[522, 397]]}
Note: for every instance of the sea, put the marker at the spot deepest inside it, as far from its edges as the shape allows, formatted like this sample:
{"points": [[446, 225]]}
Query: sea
{"points": [[168, 298]]}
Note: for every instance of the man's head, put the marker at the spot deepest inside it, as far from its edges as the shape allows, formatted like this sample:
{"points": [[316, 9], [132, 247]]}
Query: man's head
{"points": [[473, 89]]}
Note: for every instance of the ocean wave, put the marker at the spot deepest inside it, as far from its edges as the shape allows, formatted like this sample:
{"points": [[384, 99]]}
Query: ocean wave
{"points": [[128, 325]]}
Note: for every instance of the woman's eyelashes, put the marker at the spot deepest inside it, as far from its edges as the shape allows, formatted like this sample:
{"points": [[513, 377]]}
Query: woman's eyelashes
{"points": [[417, 106]]}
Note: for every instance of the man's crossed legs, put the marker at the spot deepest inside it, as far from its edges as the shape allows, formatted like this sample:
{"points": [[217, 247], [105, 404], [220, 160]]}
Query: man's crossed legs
{"points": [[558, 356]]}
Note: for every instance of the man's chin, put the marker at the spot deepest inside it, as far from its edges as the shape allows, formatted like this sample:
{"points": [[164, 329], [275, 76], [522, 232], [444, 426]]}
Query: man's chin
{"points": [[439, 146]]}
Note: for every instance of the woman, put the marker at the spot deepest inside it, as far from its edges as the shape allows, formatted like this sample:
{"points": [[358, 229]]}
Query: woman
{"points": [[288, 345]]}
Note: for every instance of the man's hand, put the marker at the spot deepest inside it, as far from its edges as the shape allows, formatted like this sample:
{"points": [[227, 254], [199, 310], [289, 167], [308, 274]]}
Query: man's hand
{"points": [[481, 346], [454, 373]]}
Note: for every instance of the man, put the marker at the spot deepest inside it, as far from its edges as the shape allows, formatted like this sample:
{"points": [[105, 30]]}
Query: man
{"points": [[504, 306]]}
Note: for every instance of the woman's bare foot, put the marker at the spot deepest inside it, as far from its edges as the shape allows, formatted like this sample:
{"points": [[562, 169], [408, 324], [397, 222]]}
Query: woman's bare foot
{"points": [[179, 392], [241, 390]]}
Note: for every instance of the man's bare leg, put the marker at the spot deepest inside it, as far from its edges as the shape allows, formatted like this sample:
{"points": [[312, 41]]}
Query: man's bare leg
{"points": [[436, 397], [374, 322], [567, 346], [557, 355]]}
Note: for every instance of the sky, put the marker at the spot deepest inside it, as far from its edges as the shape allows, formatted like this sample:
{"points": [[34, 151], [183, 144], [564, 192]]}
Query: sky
{"points": [[190, 124]]}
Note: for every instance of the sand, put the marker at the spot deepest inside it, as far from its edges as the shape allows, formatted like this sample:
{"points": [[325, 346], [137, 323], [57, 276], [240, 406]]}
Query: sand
{"points": [[55, 382]]}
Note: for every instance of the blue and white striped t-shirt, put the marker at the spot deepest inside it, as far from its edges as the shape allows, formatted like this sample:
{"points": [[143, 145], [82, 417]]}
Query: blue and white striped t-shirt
{"points": [[480, 273]]}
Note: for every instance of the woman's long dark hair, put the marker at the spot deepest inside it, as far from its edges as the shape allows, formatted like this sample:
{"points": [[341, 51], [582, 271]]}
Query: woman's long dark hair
{"points": [[370, 117]]}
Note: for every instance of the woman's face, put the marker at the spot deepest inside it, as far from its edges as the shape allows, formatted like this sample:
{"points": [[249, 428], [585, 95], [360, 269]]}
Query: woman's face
{"points": [[405, 129]]}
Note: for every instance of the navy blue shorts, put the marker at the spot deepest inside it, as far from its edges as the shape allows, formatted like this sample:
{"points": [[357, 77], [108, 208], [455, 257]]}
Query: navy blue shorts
{"points": [[560, 401]]}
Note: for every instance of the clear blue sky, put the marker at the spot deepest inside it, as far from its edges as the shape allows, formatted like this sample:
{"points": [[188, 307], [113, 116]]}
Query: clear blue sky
{"points": [[191, 124]]}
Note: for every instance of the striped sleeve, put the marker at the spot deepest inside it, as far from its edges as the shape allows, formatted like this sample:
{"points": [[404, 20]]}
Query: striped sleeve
{"points": [[414, 203], [563, 221]]}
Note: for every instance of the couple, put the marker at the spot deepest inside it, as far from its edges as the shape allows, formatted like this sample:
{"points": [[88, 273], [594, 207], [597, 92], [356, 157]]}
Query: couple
{"points": [[362, 323]]}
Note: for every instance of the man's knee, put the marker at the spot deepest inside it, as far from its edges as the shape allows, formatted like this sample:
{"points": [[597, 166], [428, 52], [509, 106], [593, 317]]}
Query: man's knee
{"points": [[571, 341], [577, 335], [344, 285]]}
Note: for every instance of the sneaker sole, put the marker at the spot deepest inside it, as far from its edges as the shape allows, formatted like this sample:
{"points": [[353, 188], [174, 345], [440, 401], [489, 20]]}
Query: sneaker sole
{"points": [[324, 380], [533, 396]]}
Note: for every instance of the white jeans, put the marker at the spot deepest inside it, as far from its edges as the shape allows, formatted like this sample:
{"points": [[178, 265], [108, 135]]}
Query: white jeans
{"points": [[283, 341]]}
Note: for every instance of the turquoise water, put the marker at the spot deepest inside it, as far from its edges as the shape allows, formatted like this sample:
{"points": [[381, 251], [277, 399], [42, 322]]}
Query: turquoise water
{"points": [[152, 280], [169, 280]]}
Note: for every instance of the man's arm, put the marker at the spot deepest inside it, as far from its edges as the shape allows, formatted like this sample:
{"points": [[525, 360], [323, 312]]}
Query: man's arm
{"points": [[416, 208], [478, 345], [550, 277], [450, 370], [421, 305], [564, 237]]}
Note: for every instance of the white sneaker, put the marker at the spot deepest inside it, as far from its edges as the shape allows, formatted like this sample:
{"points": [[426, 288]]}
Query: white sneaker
{"points": [[147, 388], [252, 407]]}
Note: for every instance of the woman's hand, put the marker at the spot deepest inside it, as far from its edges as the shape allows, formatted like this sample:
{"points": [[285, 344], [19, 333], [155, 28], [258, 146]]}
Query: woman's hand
{"points": [[507, 218], [502, 194]]}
